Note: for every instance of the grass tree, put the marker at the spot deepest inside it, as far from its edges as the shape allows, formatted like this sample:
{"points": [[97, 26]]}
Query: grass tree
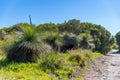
{"points": [[28, 48], [86, 41]]}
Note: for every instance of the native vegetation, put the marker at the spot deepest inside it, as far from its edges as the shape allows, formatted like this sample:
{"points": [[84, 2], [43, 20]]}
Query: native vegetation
{"points": [[51, 51]]}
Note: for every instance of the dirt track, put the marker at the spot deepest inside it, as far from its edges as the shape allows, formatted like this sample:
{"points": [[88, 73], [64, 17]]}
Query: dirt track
{"points": [[106, 68]]}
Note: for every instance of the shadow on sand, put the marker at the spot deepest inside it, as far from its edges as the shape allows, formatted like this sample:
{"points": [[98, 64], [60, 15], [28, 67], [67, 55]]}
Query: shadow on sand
{"points": [[117, 52], [113, 52]]}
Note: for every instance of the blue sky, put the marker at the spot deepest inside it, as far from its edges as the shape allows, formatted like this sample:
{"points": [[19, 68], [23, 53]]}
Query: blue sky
{"points": [[103, 12]]}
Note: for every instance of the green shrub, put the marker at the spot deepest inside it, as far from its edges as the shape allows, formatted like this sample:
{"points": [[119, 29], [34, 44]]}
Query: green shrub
{"points": [[80, 57], [16, 28], [3, 46], [50, 62], [47, 27]]}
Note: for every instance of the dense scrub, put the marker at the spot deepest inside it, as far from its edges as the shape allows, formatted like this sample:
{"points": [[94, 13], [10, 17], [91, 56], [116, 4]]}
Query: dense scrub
{"points": [[67, 35], [53, 51]]}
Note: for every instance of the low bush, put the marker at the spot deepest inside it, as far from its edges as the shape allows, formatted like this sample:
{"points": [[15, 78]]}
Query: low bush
{"points": [[52, 66], [50, 62], [81, 57]]}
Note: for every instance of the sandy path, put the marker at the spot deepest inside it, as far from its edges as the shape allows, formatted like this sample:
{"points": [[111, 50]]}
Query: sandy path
{"points": [[106, 68], [114, 67]]}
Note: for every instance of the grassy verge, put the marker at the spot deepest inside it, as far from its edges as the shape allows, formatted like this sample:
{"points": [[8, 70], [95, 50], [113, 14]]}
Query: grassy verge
{"points": [[52, 66]]}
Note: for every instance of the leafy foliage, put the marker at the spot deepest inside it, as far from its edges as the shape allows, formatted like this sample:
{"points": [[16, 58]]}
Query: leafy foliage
{"points": [[101, 38], [48, 27], [72, 26], [50, 62], [118, 39], [80, 57], [16, 27]]}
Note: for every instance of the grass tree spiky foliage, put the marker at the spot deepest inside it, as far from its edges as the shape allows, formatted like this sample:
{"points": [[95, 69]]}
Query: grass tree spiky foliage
{"points": [[53, 39], [27, 49], [70, 41], [86, 42]]}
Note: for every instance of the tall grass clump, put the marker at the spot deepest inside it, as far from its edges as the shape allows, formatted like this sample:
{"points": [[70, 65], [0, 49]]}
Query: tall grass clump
{"points": [[27, 49]]}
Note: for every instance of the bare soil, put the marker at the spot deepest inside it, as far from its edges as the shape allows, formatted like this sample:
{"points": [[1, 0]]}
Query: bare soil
{"points": [[106, 68]]}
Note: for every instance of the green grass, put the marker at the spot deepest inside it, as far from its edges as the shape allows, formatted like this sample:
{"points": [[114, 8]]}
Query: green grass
{"points": [[37, 71]]}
